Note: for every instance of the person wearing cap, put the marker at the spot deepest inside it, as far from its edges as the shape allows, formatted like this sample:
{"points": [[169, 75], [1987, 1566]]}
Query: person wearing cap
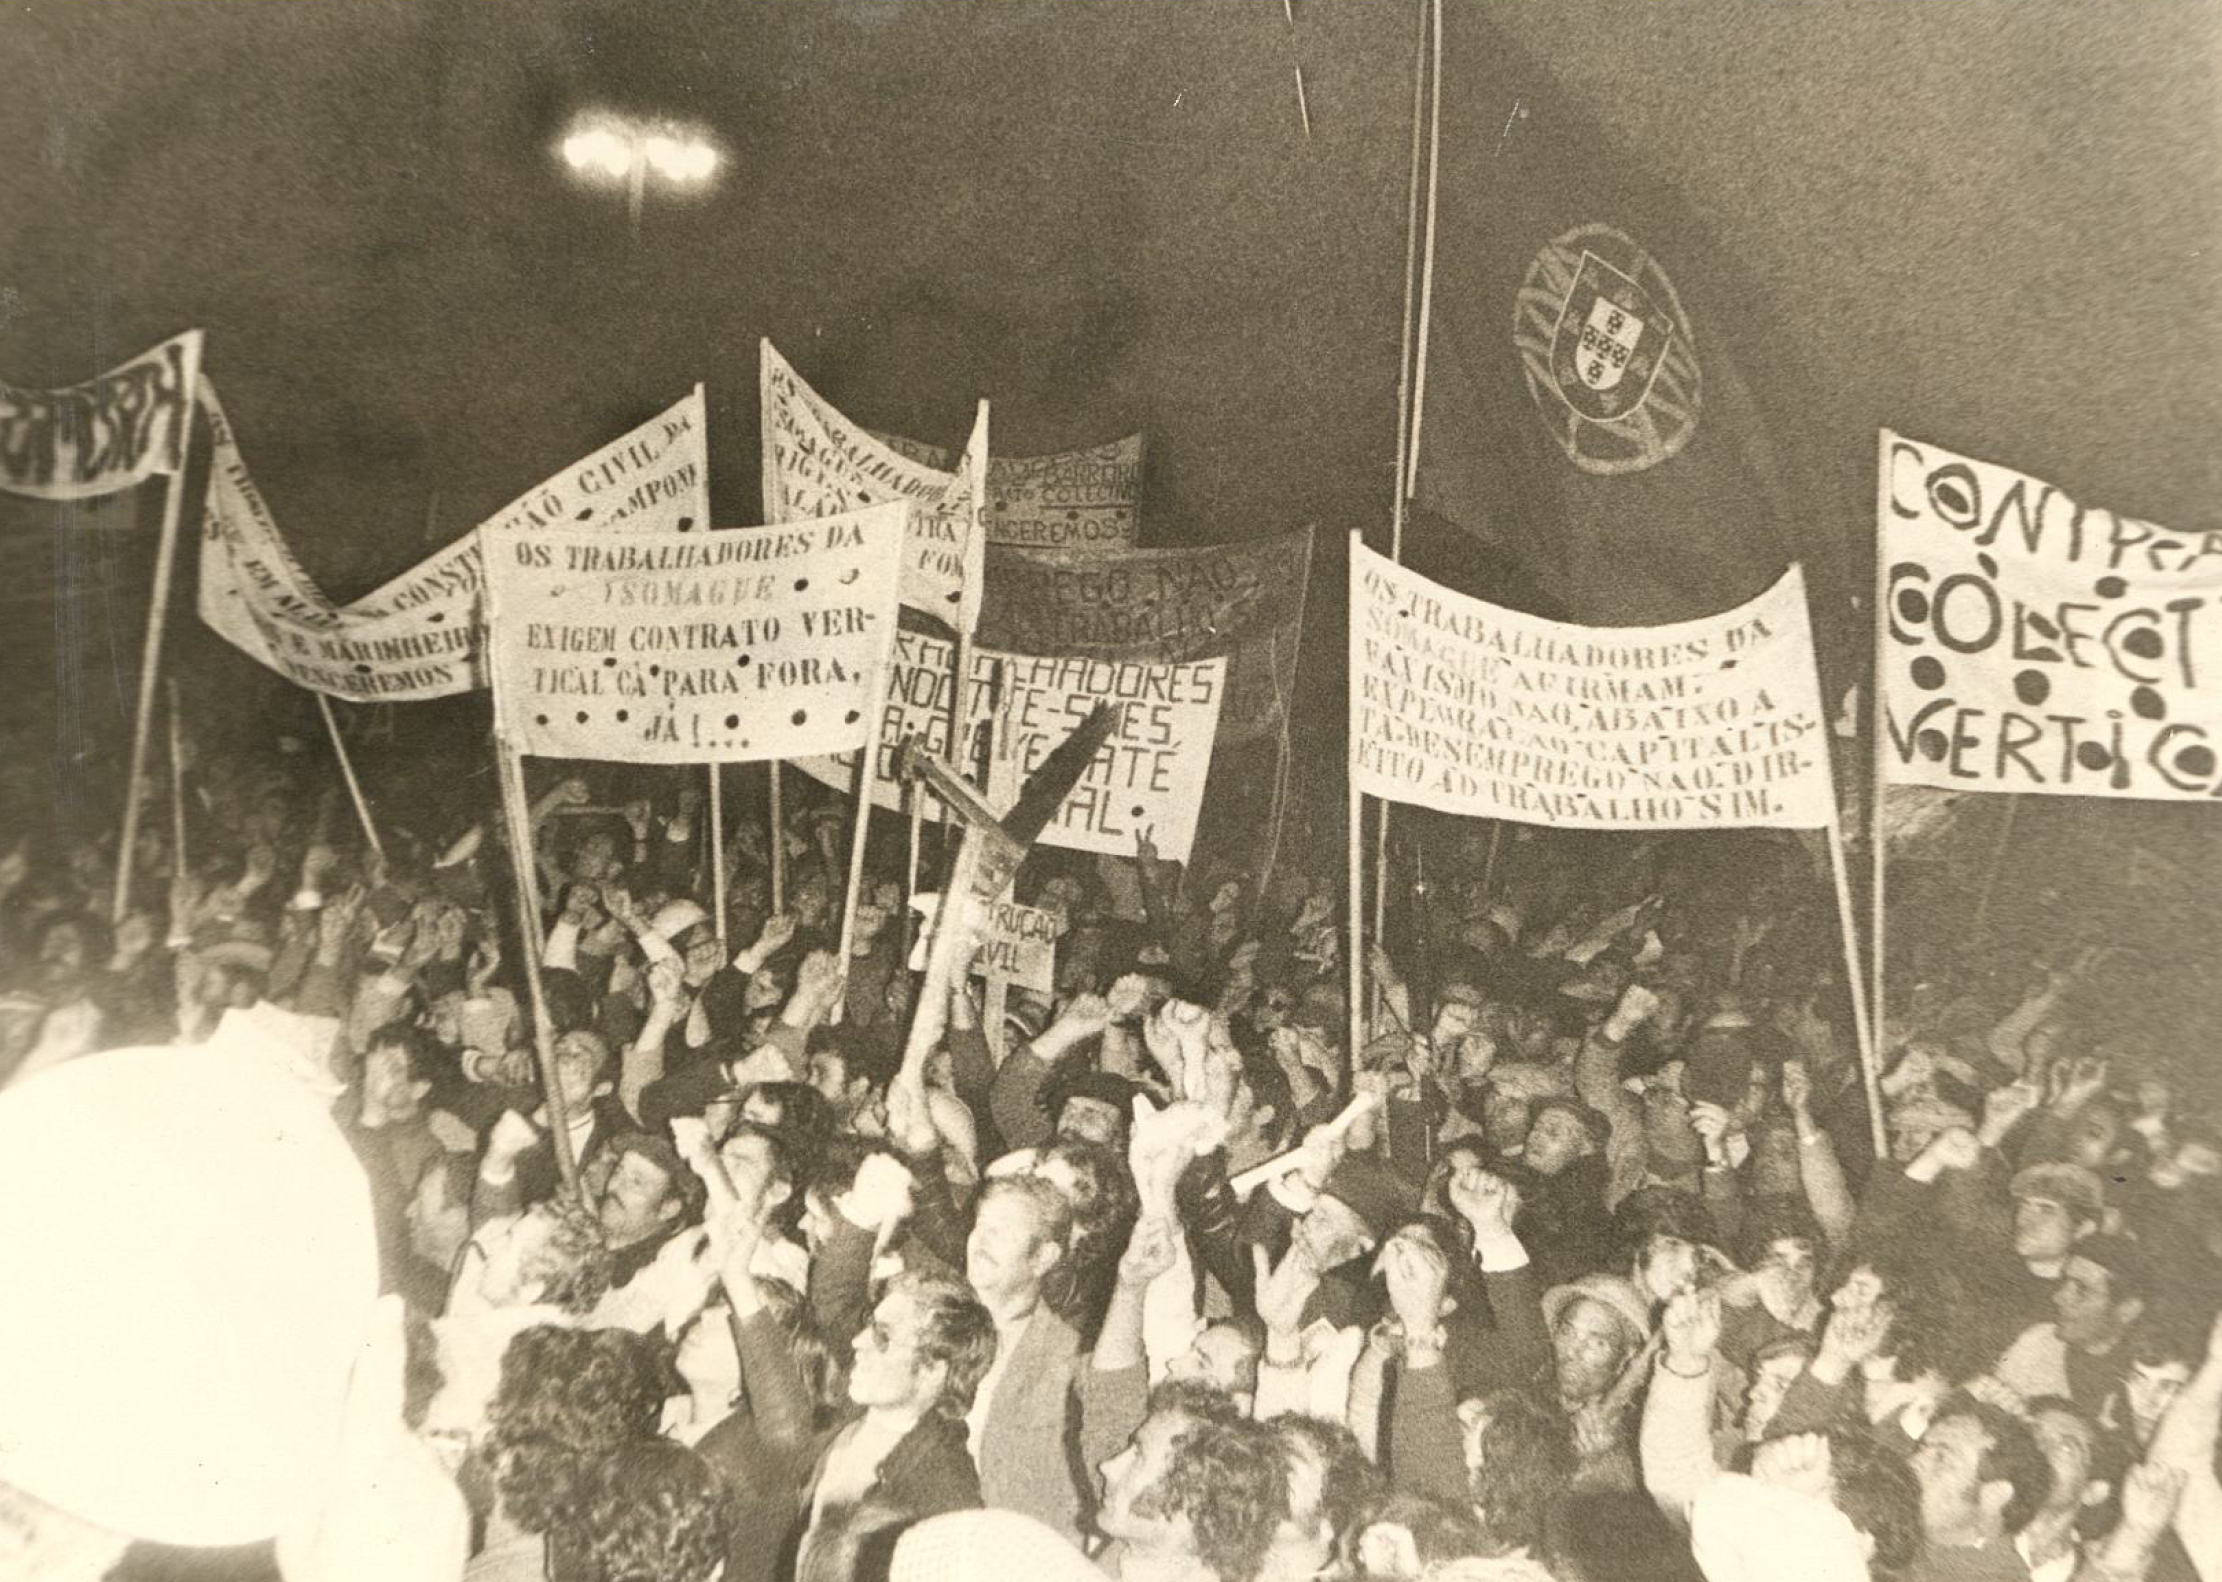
{"points": [[1599, 1326], [1564, 1220], [1337, 1216], [2102, 1291], [2056, 1206]]}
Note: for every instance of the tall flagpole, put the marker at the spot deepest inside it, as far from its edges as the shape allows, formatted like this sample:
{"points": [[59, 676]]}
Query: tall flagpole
{"points": [[1878, 739], [867, 769], [150, 656], [1354, 878], [1410, 375]]}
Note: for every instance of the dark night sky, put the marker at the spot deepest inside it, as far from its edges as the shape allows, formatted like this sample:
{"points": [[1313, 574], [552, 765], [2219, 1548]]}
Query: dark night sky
{"points": [[1997, 214]]}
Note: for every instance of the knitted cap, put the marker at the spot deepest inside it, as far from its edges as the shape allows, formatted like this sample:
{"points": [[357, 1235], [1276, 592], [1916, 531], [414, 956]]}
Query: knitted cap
{"points": [[1615, 1293]]}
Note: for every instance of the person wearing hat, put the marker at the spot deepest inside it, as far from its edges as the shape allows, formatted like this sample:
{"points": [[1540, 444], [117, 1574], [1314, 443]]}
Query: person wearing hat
{"points": [[1335, 1225], [1599, 1326], [1564, 1221], [2056, 1206]]}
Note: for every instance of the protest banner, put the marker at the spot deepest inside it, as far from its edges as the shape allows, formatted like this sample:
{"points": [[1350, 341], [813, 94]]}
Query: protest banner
{"points": [[1017, 943], [1243, 601], [422, 634], [2030, 643], [110, 433], [819, 463], [133, 423], [1074, 499], [1462, 706], [1148, 779], [685, 647]]}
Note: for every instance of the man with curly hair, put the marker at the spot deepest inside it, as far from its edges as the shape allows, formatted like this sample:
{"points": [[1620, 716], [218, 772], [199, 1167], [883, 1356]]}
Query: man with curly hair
{"points": [[1198, 1494], [653, 1512], [568, 1399]]}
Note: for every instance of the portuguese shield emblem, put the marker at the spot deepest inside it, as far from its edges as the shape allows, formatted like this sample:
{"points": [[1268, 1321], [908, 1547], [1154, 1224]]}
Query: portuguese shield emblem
{"points": [[1608, 353]]}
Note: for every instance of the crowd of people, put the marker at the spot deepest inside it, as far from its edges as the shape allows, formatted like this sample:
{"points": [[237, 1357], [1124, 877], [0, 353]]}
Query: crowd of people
{"points": [[804, 1264]]}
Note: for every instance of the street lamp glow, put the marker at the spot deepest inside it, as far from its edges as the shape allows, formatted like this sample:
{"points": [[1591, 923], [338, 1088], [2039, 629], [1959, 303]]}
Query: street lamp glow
{"points": [[598, 150], [601, 145]]}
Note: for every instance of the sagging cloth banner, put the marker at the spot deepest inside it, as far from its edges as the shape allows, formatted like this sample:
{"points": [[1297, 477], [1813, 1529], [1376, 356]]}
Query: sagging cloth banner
{"points": [[762, 642], [1074, 499], [110, 433], [1243, 601], [422, 634], [818, 463], [1464, 707], [2030, 643], [1148, 779]]}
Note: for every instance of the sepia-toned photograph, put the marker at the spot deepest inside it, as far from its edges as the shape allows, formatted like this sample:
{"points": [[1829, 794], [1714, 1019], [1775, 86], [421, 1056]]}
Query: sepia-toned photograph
{"points": [[1111, 791]]}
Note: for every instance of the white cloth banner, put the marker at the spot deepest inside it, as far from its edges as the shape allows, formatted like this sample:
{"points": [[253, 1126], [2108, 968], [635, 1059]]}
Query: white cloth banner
{"points": [[1148, 779], [1464, 707], [2028, 643], [1017, 943], [422, 635], [109, 433], [1075, 499], [764, 642], [818, 463]]}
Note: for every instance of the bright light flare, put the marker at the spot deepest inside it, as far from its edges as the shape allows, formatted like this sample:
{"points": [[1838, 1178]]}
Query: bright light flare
{"points": [[682, 160], [599, 151], [601, 146]]}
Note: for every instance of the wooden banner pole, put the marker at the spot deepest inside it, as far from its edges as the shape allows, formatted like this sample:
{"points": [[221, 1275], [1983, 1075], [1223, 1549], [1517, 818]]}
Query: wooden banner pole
{"points": [[347, 773], [1870, 1059], [779, 844], [177, 786], [717, 855], [1878, 790], [1354, 875], [150, 667], [518, 822]]}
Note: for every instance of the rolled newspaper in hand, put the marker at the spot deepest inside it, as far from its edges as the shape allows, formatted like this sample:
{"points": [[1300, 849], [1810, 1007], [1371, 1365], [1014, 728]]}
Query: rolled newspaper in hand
{"points": [[1281, 1164]]}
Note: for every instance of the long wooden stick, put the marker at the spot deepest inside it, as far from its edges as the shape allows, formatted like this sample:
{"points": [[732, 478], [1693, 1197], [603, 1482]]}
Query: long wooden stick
{"points": [[779, 844], [177, 787], [717, 854], [1354, 876], [1407, 381], [1878, 790], [347, 773], [867, 770], [1870, 1058], [150, 667], [518, 823]]}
